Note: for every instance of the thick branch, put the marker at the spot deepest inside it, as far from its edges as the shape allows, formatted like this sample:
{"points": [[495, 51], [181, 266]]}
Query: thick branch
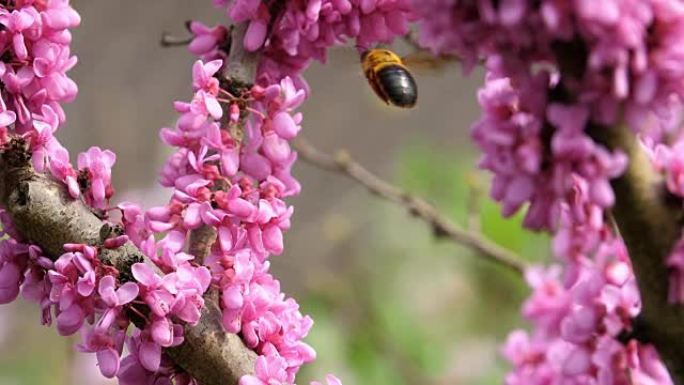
{"points": [[201, 240], [45, 215], [234, 356], [242, 65], [441, 225], [649, 220], [240, 73]]}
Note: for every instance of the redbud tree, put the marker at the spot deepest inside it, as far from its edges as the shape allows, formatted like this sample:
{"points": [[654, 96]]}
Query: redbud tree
{"points": [[579, 128]]}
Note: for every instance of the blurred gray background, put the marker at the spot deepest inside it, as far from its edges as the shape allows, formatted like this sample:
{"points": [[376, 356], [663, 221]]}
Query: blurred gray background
{"points": [[390, 304]]}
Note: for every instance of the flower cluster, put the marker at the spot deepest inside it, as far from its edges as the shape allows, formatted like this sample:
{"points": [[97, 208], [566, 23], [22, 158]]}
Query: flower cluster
{"points": [[34, 40], [232, 173], [36, 57], [577, 323], [291, 34], [134, 367], [669, 160], [35, 44], [232, 168], [555, 71], [559, 73], [616, 56], [83, 292], [541, 154]]}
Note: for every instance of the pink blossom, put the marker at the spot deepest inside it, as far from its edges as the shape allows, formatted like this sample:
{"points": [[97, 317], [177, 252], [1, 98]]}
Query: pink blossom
{"points": [[145, 364], [668, 159], [203, 76], [10, 270], [675, 262], [206, 40], [267, 369], [151, 289], [114, 299], [577, 321], [95, 166], [107, 346], [42, 141], [61, 169]]}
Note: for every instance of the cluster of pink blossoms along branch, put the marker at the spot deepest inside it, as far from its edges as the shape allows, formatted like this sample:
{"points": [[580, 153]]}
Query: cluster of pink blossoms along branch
{"points": [[240, 144], [231, 172], [557, 70], [83, 293]]}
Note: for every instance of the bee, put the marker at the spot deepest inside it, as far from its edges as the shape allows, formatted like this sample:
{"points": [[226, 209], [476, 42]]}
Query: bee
{"points": [[389, 77]]}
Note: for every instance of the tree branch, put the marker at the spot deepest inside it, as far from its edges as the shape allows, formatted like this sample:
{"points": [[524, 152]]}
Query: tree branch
{"points": [[649, 220], [242, 67], [235, 357], [240, 72], [441, 225], [45, 215], [168, 40]]}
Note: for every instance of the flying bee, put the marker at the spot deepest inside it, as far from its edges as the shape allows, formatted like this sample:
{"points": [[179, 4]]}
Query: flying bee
{"points": [[389, 77]]}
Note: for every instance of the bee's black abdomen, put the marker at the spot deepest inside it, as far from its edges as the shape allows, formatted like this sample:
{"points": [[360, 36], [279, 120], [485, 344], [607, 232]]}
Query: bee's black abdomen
{"points": [[398, 85]]}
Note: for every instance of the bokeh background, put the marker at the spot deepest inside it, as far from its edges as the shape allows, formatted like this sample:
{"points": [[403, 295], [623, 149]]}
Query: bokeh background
{"points": [[391, 304]]}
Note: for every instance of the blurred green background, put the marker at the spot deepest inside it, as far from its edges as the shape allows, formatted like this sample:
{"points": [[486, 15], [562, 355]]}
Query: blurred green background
{"points": [[391, 304]]}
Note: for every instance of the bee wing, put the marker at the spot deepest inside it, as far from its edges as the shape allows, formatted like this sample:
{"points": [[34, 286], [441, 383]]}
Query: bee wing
{"points": [[344, 56], [424, 62]]}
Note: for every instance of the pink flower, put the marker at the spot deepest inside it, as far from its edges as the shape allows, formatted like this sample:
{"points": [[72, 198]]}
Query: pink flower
{"points": [[189, 284], [669, 160], [179, 293], [62, 170], [114, 299], [73, 282], [97, 168], [17, 22], [145, 364], [152, 290], [206, 39], [107, 347], [43, 143], [203, 76], [229, 153], [268, 369], [10, 279]]}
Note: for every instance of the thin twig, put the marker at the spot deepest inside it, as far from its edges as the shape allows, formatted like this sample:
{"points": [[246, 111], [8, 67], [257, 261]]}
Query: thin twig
{"points": [[442, 226], [168, 40]]}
